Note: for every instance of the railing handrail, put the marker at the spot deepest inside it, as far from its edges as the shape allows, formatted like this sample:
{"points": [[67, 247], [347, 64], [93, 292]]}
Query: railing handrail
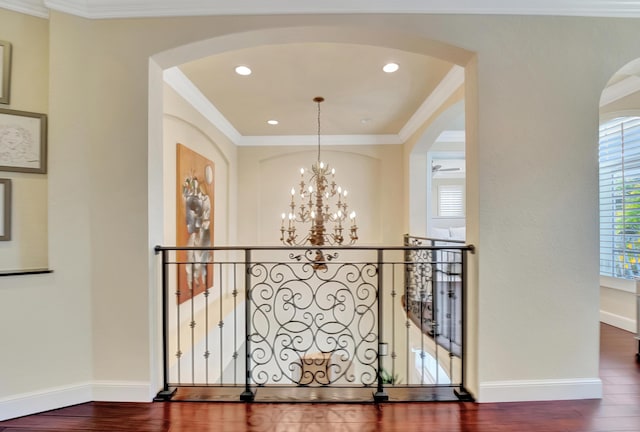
{"points": [[448, 240], [463, 247]]}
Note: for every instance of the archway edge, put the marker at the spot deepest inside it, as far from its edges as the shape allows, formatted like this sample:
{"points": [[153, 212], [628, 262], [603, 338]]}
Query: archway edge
{"points": [[348, 34], [358, 35], [426, 140], [418, 177]]}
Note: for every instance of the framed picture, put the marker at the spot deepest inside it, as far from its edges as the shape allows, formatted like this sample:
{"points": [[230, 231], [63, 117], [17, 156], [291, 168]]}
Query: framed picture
{"points": [[5, 71], [5, 209], [23, 141], [194, 221]]}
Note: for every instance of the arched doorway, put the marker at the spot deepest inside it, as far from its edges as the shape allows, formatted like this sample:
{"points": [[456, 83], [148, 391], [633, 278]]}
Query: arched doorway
{"points": [[619, 121], [160, 163]]}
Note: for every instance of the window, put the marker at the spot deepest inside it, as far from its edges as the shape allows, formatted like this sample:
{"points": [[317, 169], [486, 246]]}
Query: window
{"points": [[450, 201], [619, 160]]}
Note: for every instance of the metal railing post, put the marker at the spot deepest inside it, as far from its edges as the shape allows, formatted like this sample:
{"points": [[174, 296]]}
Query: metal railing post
{"points": [[247, 395], [462, 392], [380, 395], [166, 393]]}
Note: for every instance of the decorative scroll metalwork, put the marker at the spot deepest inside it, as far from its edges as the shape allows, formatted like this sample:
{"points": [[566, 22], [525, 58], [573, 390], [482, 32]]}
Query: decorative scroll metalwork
{"points": [[313, 326], [419, 278], [317, 320], [433, 282]]}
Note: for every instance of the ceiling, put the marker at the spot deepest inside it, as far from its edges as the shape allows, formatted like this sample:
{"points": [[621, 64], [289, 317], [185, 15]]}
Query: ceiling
{"points": [[363, 104], [360, 98]]}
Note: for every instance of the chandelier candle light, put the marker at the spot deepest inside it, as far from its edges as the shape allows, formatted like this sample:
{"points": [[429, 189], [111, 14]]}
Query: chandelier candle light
{"points": [[328, 222]]}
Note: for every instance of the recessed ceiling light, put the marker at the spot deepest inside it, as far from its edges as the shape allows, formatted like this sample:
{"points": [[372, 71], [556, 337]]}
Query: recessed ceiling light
{"points": [[390, 67], [272, 122], [243, 70]]}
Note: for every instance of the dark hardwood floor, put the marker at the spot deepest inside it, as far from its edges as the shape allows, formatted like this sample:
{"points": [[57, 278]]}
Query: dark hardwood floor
{"points": [[619, 410]]}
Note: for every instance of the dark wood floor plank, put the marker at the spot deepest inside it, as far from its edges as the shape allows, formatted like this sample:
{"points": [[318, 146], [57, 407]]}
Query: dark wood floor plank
{"points": [[617, 411]]}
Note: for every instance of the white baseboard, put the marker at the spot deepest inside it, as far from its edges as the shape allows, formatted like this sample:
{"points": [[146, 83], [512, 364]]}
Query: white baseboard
{"points": [[539, 390], [121, 391], [44, 400], [618, 321], [59, 397]]}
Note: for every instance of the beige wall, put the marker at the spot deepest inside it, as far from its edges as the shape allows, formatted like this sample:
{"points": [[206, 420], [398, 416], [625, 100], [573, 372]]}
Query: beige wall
{"points": [[184, 125], [369, 173], [45, 319], [533, 199], [29, 38]]}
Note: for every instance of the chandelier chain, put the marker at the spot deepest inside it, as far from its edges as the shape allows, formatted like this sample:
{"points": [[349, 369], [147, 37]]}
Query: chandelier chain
{"points": [[318, 100]]}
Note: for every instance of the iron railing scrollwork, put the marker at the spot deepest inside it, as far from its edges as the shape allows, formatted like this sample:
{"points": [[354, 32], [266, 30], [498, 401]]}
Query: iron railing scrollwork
{"points": [[317, 318], [311, 327]]}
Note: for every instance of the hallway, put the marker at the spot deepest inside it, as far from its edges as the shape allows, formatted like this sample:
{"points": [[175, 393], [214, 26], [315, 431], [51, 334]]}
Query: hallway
{"points": [[619, 410]]}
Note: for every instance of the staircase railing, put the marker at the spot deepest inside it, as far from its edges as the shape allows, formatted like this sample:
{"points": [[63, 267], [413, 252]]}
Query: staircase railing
{"points": [[305, 318]]}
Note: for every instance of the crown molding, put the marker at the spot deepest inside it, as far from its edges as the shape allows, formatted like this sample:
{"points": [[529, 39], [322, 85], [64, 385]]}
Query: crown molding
{"points": [[104, 9], [192, 94], [29, 7], [309, 140], [449, 84]]}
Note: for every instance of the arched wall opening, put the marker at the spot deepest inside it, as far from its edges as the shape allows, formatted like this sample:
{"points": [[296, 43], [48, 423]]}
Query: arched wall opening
{"points": [[159, 164], [618, 177], [420, 167]]}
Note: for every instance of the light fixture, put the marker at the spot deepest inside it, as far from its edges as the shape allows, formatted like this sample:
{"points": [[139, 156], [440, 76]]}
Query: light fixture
{"points": [[243, 70], [390, 67], [322, 207], [272, 122]]}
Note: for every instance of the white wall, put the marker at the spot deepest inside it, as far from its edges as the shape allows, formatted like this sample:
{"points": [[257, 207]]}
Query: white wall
{"points": [[535, 82]]}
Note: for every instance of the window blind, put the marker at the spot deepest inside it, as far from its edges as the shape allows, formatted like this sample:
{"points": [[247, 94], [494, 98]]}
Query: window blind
{"points": [[450, 201], [619, 162]]}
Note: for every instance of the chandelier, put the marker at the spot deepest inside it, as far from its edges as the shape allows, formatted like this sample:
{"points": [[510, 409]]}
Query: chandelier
{"points": [[322, 206]]}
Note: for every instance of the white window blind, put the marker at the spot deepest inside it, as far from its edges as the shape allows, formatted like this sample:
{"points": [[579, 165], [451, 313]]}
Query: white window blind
{"points": [[619, 160], [450, 201]]}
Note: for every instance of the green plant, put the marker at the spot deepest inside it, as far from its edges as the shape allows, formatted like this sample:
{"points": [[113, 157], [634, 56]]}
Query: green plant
{"points": [[387, 378]]}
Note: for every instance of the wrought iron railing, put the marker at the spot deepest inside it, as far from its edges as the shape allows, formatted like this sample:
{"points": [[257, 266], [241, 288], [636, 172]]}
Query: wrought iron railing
{"points": [[304, 318]]}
